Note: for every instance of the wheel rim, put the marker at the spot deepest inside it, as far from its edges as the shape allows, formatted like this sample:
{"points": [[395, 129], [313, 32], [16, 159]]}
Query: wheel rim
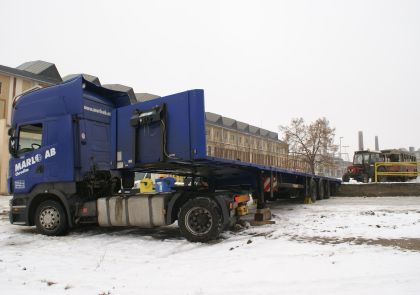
{"points": [[198, 221], [49, 218]]}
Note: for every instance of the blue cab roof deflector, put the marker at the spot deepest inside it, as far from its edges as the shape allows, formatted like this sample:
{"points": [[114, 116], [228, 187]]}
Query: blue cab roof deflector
{"points": [[50, 101]]}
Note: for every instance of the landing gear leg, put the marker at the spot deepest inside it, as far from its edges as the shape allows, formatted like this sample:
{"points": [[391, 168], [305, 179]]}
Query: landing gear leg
{"points": [[263, 214]]}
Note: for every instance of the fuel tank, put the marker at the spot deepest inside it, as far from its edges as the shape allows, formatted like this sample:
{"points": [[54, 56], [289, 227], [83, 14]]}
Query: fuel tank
{"points": [[141, 210]]}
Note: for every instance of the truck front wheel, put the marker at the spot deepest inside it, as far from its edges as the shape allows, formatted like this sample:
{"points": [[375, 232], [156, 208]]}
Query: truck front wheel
{"points": [[200, 220], [50, 218]]}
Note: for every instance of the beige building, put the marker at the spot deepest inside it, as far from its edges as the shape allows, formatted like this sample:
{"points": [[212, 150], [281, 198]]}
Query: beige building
{"points": [[14, 81], [230, 139]]}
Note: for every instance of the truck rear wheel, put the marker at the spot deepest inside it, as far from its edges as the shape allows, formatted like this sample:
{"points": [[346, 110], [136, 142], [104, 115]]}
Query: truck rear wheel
{"points": [[50, 218], [200, 220], [327, 190], [312, 190], [321, 190]]}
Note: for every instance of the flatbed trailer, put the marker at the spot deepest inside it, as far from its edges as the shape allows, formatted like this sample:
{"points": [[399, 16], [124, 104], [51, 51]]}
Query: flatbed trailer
{"points": [[76, 147]]}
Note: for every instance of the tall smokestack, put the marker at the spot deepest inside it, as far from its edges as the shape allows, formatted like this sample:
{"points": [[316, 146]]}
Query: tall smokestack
{"points": [[376, 143], [361, 141]]}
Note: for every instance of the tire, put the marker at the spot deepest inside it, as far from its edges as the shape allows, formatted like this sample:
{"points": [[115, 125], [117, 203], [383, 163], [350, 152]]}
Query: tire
{"points": [[321, 189], [327, 193], [200, 220], [313, 190], [346, 178], [51, 219]]}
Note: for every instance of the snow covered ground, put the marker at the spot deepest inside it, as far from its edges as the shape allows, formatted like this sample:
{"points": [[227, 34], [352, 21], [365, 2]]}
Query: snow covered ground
{"points": [[336, 246]]}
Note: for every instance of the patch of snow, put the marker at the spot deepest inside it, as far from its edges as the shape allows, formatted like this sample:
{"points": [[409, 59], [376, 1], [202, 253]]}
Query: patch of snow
{"points": [[272, 259], [417, 180], [354, 181]]}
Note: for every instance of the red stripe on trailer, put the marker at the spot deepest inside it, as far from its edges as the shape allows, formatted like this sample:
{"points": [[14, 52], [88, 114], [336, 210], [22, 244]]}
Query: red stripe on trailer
{"points": [[267, 184]]}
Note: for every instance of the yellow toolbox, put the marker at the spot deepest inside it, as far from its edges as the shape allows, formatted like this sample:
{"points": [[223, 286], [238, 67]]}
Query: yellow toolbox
{"points": [[146, 186]]}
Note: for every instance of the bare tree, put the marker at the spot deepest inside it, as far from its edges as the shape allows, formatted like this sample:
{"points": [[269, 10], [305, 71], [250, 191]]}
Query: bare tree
{"points": [[314, 143]]}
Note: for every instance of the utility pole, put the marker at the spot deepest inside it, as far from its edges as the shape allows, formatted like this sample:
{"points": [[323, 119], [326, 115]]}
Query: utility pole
{"points": [[339, 154], [345, 153]]}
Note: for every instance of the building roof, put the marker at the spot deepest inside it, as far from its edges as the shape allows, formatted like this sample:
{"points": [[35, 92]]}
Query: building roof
{"points": [[253, 129], [41, 68], [244, 127], [229, 123], [123, 88], [90, 78], [27, 75], [145, 96], [214, 118], [264, 132]]}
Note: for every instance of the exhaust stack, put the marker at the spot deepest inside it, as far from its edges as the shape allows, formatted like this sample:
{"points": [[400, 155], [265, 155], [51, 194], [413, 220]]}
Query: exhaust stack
{"points": [[361, 148], [376, 143]]}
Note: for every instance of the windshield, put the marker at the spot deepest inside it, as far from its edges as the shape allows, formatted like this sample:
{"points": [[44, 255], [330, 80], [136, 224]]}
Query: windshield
{"points": [[366, 158], [358, 159]]}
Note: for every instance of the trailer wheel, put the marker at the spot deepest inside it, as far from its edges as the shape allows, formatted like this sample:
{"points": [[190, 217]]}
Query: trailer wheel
{"points": [[50, 218], [321, 190], [312, 190], [327, 190], [200, 220]]}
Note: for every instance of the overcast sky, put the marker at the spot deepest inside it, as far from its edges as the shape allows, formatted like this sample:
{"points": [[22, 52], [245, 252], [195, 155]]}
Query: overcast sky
{"points": [[262, 62]]}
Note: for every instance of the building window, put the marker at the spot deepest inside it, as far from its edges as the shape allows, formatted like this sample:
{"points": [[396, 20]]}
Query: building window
{"points": [[2, 109], [0, 87]]}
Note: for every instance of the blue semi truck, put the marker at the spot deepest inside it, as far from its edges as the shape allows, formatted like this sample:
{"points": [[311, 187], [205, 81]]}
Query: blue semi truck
{"points": [[75, 148]]}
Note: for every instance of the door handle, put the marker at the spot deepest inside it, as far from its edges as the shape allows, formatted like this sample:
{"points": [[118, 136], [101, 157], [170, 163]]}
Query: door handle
{"points": [[39, 169]]}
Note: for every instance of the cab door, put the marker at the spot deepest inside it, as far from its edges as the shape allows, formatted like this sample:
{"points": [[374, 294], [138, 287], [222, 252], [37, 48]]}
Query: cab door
{"points": [[28, 165]]}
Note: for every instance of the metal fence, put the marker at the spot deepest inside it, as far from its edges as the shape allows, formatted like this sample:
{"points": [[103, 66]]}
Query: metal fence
{"points": [[396, 169]]}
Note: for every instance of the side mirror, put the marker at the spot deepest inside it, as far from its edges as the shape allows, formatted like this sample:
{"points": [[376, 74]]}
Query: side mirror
{"points": [[12, 146], [11, 131]]}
